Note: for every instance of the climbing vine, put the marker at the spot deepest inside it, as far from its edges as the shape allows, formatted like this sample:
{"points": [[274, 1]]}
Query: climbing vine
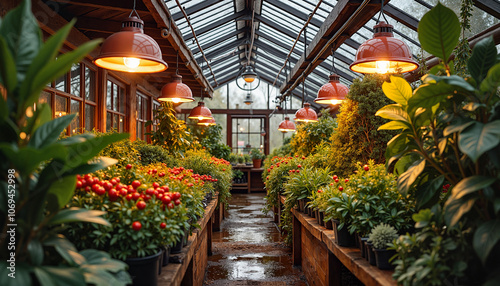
{"points": [[462, 51]]}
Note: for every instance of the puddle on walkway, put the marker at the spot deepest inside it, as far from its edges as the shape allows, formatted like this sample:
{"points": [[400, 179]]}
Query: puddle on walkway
{"points": [[248, 250]]}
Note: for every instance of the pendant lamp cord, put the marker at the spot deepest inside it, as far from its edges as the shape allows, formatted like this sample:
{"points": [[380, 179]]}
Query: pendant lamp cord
{"points": [[382, 12], [177, 64], [132, 12], [333, 70], [303, 90]]}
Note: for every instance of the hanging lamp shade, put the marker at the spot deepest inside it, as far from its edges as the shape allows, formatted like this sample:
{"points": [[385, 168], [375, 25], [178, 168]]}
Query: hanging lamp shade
{"points": [[206, 122], [306, 114], [248, 99], [130, 50], [175, 91], [332, 92], [200, 112], [249, 74], [383, 53], [263, 132], [286, 125]]}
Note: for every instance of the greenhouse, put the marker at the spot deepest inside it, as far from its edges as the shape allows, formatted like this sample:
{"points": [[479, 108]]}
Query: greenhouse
{"points": [[249, 142]]}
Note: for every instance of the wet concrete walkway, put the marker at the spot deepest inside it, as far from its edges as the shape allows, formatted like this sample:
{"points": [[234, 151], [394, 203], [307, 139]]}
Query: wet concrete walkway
{"points": [[248, 251]]}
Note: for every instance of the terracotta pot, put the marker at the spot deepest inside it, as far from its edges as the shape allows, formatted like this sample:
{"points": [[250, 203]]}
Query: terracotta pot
{"points": [[257, 163]]}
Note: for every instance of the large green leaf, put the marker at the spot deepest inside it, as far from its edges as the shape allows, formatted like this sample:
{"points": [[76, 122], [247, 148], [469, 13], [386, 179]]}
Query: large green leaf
{"points": [[398, 90], [429, 191], [478, 138], [8, 68], [428, 95], [395, 125], [61, 191], [486, 237], [49, 132], [27, 159], [482, 59], [60, 276], [393, 112], [492, 80], [95, 165], [406, 179], [22, 35], [35, 250], [46, 54], [78, 215], [439, 31], [83, 152], [455, 209], [470, 185], [55, 69], [102, 260], [457, 82], [22, 274], [457, 126], [65, 248]]}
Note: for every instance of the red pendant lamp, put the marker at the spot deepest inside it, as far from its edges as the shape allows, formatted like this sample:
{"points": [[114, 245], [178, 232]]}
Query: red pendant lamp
{"points": [[383, 53], [206, 122], [332, 92], [130, 50], [286, 125], [200, 112], [176, 91], [306, 114]]}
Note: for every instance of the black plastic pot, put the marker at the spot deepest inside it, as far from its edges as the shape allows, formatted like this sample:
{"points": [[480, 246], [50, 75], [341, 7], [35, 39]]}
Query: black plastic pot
{"points": [[329, 224], [177, 248], [362, 246], [320, 216], [343, 237], [370, 254], [166, 256], [382, 257], [144, 270]]}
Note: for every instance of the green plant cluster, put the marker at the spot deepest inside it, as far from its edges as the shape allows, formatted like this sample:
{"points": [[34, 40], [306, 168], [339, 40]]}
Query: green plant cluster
{"points": [[449, 134], [382, 236], [308, 136], [356, 138], [38, 168], [211, 139], [257, 154]]}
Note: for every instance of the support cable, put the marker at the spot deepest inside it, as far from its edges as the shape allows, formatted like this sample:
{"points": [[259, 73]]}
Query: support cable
{"points": [[196, 39]]}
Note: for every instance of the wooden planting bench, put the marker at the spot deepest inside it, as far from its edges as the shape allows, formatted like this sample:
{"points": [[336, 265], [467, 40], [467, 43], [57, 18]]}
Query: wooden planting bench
{"points": [[194, 255], [321, 259]]}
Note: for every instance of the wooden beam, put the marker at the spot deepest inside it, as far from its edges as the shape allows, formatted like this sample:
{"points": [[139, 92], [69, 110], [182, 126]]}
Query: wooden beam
{"points": [[118, 5], [162, 16], [344, 20]]}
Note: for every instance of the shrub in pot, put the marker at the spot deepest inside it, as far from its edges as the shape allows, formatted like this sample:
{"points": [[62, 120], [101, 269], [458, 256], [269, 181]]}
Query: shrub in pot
{"points": [[39, 169], [257, 157], [381, 238]]}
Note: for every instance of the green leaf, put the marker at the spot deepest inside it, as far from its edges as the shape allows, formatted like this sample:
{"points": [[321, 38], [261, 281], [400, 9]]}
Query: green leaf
{"points": [[65, 248], [407, 178], [49, 132], [456, 208], [439, 31], [46, 54], [55, 69], [61, 276], [398, 90], [429, 191], [22, 276], [62, 190], [478, 138], [457, 126], [395, 125], [27, 159], [79, 215], [428, 95], [393, 112], [23, 37], [95, 164], [492, 80], [8, 68], [485, 238], [482, 59], [91, 148], [102, 260], [422, 218], [469, 185], [35, 250], [457, 82], [43, 277]]}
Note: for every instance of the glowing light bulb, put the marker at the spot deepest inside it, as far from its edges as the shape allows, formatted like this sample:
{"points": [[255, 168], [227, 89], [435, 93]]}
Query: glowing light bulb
{"points": [[200, 117], [131, 63], [382, 66], [249, 79], [335, 101], [176, 100]]}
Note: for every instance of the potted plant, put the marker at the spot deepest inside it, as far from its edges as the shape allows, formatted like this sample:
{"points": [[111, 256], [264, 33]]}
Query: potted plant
{"points": [[248, 159], [39, 168], [241, 160], [381, 237], [233, 158], [257, 157]]}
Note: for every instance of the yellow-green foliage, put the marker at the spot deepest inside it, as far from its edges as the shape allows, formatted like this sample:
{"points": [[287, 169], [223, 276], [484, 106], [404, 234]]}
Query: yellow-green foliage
{"points": [[356, 138], [309, 136]]}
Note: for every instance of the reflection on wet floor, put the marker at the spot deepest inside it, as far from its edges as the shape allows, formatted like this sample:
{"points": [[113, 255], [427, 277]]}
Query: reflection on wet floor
{"points": [[248, 250]]}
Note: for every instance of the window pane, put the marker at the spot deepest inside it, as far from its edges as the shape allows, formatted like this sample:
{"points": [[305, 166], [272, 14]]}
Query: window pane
{"points": [[108, 121], [75, 79], [115, 97], [139, 107], [45, 97], [61, 83], [89, 117], [61, 106], [139, 130], [75, 108], [122, 124], [122, 100], [89, 84], [109, 94], [115, 122]]}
